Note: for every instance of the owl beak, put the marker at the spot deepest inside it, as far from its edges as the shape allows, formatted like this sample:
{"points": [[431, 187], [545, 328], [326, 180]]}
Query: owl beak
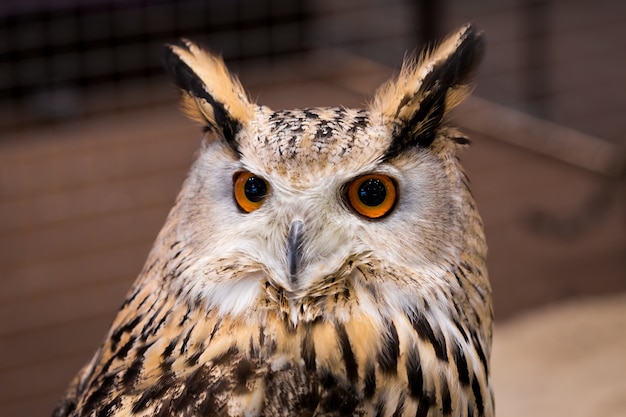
{"points": [[294, 248]]}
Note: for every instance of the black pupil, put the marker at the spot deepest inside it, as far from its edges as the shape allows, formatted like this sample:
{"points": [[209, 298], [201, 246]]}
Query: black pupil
{"points": [[255, 189], [372, 192]]}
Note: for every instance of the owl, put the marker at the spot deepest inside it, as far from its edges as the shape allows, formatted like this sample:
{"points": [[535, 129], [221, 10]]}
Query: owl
{"points": [[317, 262]]}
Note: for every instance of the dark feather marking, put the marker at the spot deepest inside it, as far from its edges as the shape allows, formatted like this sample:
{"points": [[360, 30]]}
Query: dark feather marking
{"points": [[107, 410], [461, 329], [466, 183], [179, 269], [461, 364], [467, 266], [183, 345], [242, 371], [189, 81], [470, 410], [347, 353], [461, 272], [446, 400], [403, 102], [105, 366], [151, 393], [287, 114], [271, 347], [422, 408], [180, 402], [253, 351], [452, 72], [390, 350], [121, 354], [478, 396], [161, 322], [217, 326], [426, 402], [400, 408], [195, 384], [167, 352], [197, 301], [132, 372], [117, 334], [65, 407], [481, 353], [134, 295], [359, 123], [461, 140], [414, 373], [370, 380], [431, 111], [324, 131], [225, 356], [339, 398], [307, 350], [327, 379], [380, 408], [305, 400], [426, 333], [164, 408], [210, 404], [165, 267], [339, 116], [461, 64], [151, 266], [142, 302], [151, 320], [458, 279], [193, 359], [98, 395], [178, 293], [310, 113], [481, 293], [405, 137], [261, 335]]}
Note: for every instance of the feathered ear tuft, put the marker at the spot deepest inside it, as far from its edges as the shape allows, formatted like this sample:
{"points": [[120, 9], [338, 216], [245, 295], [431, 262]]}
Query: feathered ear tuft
{"points": [[413, 105], [211, 94]]}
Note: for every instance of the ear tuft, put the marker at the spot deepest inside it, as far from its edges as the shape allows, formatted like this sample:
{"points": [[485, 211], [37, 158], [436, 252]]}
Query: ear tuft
{"points": [[211, 94], [413, 105]]}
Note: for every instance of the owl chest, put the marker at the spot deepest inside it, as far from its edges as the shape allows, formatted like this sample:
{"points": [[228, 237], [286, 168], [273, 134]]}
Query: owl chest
{"points": [[340, 369], [213, 366], [309, 374]]}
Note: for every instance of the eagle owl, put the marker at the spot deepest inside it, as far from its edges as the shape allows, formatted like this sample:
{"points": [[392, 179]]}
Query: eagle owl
{"points": [[317, 262]]}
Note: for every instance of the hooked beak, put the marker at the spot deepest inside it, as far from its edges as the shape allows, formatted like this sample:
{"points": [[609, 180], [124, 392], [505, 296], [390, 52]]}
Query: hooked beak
{"points": [[294, 248]]}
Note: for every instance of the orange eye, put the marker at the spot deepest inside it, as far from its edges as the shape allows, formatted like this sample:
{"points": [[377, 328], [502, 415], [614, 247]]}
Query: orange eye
{"points": [[250, 191], [372, 195]]}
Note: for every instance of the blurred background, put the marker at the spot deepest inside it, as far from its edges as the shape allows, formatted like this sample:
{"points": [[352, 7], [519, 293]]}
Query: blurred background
{"points": [[93, 151]]}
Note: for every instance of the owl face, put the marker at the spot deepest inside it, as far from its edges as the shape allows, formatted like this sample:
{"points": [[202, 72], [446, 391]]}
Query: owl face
{"points": [[291, 209]]}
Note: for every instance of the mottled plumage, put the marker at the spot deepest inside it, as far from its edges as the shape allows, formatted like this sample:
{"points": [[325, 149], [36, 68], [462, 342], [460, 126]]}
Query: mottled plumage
{"points": [[317, 262]]}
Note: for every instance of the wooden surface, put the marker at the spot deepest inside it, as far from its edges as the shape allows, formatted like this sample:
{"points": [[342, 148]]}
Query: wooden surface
{"points": [[81, 203]]}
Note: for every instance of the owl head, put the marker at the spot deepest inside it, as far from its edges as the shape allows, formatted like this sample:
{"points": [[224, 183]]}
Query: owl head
{"points": [[317, 212]]}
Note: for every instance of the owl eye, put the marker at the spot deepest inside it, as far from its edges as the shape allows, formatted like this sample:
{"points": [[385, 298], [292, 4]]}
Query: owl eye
{"points": [[372, 195], [250, 191]]}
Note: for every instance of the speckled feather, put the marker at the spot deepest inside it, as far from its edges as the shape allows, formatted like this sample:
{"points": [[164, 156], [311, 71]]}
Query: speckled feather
{"points": [[390, 317]]}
